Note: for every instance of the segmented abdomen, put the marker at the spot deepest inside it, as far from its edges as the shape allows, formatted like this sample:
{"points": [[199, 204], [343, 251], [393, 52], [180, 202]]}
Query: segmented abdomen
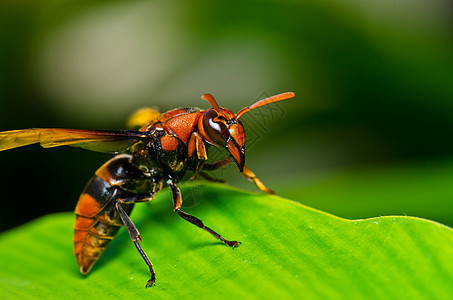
{"points": [[97, 218], [97, 221]]}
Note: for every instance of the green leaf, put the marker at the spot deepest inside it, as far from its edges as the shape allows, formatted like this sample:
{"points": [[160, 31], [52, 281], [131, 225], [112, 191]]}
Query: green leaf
{"points": [[420, 189], [288, 250]]}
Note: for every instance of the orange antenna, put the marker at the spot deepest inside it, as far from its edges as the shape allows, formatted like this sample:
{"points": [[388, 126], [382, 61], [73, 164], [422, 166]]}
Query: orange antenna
{"points": [[265, 101], [211, 100]]}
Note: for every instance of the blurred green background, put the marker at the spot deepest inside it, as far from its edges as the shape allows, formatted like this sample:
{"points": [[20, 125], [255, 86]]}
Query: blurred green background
{"points": [[369, 133]]}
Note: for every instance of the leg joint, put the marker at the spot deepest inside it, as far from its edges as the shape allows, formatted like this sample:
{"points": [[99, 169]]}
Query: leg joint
{"points": [[194, 220]]}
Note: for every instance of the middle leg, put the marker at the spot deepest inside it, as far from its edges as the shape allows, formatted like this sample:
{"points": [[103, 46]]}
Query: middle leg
{"points": [[177, 202]]}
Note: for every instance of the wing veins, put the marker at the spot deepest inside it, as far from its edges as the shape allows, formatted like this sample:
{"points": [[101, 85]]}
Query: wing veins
{"points": [[95, 140]]}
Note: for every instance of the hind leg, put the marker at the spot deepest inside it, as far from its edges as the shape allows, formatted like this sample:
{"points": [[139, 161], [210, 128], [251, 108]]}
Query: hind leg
{"points": [[133, 231]]}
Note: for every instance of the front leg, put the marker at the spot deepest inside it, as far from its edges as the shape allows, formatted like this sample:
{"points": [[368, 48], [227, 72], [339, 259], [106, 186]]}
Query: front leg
{"points": [[177, 202], [217, 164], [252, 177], [210, 178], [196, 146], [247, 173], [213, 166]]}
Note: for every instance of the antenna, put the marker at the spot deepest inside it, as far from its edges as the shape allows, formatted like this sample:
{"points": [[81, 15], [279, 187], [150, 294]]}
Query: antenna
{"points": [[211, 100], [265, 101]]}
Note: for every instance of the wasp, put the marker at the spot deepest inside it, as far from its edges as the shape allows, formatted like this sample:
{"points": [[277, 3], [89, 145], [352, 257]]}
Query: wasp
{"points": [[162, 149]]}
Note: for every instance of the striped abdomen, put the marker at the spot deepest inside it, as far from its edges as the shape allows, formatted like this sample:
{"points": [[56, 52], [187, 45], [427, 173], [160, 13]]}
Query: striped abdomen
{"points": [[97, 219]]}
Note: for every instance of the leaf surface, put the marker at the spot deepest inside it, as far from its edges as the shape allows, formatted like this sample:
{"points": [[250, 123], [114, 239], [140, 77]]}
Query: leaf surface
{"points": [[288, 250]]}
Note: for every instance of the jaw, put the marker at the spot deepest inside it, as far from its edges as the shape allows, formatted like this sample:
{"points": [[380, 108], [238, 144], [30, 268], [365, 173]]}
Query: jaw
{"points": [[237, 154]]}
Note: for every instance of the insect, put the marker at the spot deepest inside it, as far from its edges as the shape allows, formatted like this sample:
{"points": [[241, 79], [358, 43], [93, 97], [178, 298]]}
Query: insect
{"points": [[161, 151]]}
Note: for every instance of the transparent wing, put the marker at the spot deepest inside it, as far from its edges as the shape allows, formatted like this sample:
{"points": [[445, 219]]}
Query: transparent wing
{"points": [[94, 140]]}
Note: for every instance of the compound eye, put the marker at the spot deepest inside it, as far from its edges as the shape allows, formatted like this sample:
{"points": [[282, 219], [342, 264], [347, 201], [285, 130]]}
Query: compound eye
{"points": [[215, 129]]}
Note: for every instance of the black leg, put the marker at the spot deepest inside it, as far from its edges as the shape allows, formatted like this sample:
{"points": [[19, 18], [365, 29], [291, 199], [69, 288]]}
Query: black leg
{"points": [[133, 231], [210, 178], [177, 202], [217, 164]]}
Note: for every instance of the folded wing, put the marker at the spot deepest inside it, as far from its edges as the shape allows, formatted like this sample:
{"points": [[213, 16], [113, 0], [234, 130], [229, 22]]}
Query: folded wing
{"points": [[94, 140]]}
